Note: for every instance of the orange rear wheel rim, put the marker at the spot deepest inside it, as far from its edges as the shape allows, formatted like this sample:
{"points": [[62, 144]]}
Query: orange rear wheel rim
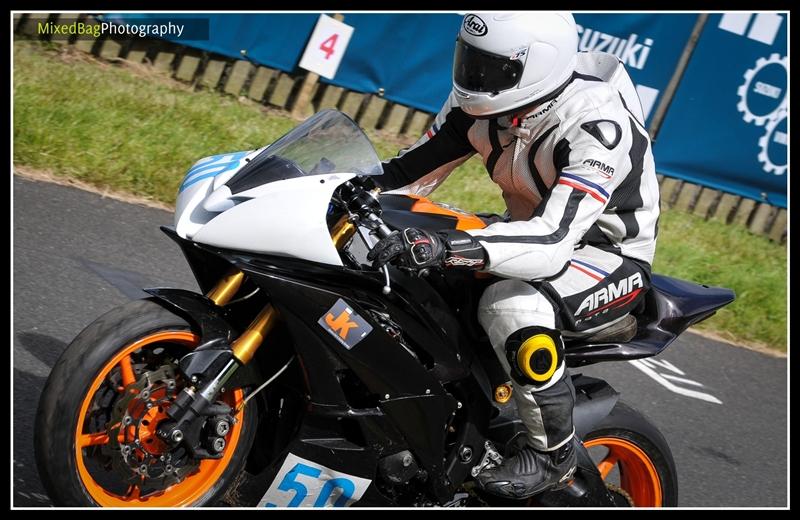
{"points": [[638, 474], [191, 488]]}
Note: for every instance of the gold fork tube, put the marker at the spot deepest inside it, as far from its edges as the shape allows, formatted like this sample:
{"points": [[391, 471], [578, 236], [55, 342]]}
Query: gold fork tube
{"points": [[342, 231], [226, 288], [245, 346]]}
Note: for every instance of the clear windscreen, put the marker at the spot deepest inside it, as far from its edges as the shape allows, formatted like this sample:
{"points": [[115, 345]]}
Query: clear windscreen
{"points": [[327, 142]]}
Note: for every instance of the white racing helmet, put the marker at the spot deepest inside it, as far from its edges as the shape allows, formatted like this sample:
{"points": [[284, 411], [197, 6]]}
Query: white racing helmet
{"points": [[504, 61]]}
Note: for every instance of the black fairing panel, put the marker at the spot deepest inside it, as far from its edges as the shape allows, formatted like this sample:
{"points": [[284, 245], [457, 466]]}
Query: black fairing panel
{"points": [[410, 394], [671, 306], [206, 266], [404, 219]]}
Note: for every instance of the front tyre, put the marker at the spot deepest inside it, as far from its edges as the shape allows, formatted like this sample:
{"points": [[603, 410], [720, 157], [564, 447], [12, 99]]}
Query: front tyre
{"points": [[95, 435], [634, 459]]}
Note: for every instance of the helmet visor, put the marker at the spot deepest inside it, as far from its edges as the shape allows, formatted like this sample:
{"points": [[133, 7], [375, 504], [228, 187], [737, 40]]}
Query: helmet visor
{"points": [[480, 71]]}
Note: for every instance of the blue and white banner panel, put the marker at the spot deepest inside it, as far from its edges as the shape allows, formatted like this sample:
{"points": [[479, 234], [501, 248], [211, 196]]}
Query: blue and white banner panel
{"points": [[727, 126]]}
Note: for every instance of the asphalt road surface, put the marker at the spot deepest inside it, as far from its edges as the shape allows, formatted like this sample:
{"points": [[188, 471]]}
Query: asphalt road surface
{"points": [[77, 255]]}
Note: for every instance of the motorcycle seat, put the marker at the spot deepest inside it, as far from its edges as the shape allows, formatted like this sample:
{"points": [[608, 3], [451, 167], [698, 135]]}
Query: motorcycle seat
{"points": [[620, 331]]}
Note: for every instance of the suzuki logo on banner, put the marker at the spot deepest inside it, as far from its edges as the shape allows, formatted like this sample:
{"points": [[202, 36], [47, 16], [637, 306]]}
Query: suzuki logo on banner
{"points": [[630, 52], [764, 29]]}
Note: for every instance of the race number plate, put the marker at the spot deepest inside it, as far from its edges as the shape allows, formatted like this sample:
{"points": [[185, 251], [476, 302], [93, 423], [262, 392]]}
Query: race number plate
{"points": [[303, 483]]}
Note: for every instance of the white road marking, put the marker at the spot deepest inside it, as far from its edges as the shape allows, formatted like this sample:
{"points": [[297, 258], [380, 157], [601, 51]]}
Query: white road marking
{"points": [[681, 380], [658, 378], [663, 363]]}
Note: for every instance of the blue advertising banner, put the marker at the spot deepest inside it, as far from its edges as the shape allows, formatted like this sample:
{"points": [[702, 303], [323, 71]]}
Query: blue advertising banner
{"points": [[410, 56], [649, 45], [727, 127], [273, 40]]}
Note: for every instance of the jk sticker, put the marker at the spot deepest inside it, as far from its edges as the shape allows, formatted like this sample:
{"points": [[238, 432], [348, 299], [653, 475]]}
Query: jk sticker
{"points": [[345, 325]]}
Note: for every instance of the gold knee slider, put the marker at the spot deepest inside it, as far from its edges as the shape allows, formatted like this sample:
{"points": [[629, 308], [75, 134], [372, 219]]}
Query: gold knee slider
{"points": [[532, 352]]}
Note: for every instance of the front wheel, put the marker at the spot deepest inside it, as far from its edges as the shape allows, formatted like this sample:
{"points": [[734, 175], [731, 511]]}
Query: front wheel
{"points": [[95, 435], [634, 459]]}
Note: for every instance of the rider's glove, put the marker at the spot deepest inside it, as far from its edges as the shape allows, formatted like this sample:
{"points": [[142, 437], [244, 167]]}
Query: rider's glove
{"points": [[418, 249]]}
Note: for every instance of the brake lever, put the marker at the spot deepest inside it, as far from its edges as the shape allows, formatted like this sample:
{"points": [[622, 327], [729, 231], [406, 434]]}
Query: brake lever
{"points": [[387, 287]]}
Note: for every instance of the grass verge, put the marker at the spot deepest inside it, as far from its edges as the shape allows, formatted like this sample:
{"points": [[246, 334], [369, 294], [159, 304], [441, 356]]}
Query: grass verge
{"points": [[128, 128]]}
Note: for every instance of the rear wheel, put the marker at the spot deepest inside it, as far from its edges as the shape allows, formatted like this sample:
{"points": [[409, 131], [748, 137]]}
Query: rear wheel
{"points": [[634, 459], [95, 435]]}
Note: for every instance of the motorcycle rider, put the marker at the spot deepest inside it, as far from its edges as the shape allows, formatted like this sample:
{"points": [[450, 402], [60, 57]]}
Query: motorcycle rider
{"points": [[562, 134]]}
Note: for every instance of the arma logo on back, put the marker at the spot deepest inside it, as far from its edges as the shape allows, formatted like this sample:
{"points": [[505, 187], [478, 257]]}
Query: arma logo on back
{"points": [[474, 25], [613, 296]]}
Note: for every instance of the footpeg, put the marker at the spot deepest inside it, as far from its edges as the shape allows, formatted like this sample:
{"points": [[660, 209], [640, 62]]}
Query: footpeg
{"points": [[491, 458]]}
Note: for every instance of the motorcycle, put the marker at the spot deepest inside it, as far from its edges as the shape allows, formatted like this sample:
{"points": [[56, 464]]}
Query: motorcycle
{"points": [[302, 376]]}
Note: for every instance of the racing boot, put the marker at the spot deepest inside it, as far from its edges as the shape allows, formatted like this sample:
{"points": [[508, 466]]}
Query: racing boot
{"points": [[530, 471], [545, 396]]}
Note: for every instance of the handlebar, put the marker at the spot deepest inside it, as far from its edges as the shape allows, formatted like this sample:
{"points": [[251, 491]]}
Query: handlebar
{"points": [[364, 208]]}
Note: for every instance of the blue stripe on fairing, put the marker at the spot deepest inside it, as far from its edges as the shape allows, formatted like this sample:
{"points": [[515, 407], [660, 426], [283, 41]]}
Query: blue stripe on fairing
{"points": [[590, 267], [584, 181], [205, 170]]}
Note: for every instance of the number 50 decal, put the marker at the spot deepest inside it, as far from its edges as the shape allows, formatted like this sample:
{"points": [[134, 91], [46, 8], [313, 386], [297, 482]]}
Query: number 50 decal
{"points": [[303, 483]]}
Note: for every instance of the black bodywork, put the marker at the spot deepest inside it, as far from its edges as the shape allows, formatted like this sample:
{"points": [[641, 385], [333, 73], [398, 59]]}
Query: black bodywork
{"points": [[420, 382]]}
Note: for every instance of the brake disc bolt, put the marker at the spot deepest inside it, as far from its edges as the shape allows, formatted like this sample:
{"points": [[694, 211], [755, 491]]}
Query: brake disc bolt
{"points": [[143, 468], [219, 444], [222, 428]]}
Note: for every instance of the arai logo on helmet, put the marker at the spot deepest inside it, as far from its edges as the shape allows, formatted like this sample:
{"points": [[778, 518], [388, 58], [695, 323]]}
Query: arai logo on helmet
{"points": [[474, 25]]}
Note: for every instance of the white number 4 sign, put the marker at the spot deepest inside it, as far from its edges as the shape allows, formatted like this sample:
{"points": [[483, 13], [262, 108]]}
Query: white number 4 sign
{"points": [[326, 47]]}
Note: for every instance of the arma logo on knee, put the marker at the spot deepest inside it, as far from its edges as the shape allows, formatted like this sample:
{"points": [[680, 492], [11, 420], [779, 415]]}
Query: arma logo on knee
{"points": [[611, 297]]}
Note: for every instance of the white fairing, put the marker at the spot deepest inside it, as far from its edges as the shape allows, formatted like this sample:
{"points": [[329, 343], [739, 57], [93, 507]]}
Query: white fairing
{"points": [[190, 215], [285, 218], [275, 200]]}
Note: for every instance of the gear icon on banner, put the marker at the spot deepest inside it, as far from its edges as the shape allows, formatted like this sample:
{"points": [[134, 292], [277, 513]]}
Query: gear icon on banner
{"points": [[749, 117], [763, 143]]}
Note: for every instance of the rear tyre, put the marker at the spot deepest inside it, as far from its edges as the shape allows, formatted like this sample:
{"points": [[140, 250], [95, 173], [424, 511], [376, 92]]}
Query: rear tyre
{"points": [[634, 457]]}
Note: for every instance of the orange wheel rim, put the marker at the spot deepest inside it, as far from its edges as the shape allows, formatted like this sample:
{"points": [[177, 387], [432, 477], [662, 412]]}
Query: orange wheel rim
{"points": [[194, 485], [638, 475]]}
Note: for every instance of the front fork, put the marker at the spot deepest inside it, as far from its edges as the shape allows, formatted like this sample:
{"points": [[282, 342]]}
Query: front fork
{"points": [[246, 345], [193, 406]]}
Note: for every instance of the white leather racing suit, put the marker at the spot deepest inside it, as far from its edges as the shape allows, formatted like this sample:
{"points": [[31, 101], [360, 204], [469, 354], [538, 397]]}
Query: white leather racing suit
{"points": [[578, 178]]}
